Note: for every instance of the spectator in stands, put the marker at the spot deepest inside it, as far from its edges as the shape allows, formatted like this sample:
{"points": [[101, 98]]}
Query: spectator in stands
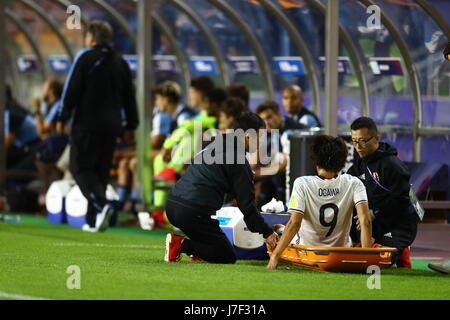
{"points": [[207, 119], [21, 137], [270, 172], [230, 110], [293, 103], [386, 179], [98, 90], [239, 90], [198, 99], [182, 144], [125, 159], [162, 124], [46, 110], [53, 144], [169, 114], [168, 97], [198, 89]]}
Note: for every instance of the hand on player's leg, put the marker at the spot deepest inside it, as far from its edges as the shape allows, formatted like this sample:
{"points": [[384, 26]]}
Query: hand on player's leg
{"points": [[272, 240]]}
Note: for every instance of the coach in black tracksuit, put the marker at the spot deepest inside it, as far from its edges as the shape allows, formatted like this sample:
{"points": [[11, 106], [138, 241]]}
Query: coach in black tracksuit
{"points": [[98, 89], [386, 179], [202, 189]]}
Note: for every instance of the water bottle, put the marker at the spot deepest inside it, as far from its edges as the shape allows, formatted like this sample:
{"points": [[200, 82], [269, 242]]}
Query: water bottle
{"points": [[10, 219]]}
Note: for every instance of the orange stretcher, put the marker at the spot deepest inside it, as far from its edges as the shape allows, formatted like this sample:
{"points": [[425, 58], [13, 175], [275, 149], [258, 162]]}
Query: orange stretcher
{"points": [[337, 259]]}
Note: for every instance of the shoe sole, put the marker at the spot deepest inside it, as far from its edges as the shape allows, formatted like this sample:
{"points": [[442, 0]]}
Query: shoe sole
{"points": [[438, 268], [105, 222], [195, 260], [168, 242]]}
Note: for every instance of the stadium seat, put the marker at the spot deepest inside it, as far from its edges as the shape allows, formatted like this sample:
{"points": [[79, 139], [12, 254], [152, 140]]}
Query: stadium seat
{"points": [[337, 259]]}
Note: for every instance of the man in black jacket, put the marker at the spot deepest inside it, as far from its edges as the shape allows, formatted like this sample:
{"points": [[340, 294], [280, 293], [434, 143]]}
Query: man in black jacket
{"points": [[220, 169], [386, 179], [98, 89], [443, 267]]}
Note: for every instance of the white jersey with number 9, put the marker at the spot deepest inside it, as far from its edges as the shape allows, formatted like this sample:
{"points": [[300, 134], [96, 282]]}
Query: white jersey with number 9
{"points": [[326, 206]]}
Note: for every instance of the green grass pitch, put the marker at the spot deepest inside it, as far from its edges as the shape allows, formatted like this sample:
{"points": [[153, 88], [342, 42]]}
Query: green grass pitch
{"points": [[127, 263]]}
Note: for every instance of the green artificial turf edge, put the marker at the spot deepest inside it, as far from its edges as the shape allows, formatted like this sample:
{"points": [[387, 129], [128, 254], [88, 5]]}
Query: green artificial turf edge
{"points": [[126, 263]]}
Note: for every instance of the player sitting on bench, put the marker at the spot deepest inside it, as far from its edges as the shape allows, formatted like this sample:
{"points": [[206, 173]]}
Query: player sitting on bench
{"points": [[321, 206]]}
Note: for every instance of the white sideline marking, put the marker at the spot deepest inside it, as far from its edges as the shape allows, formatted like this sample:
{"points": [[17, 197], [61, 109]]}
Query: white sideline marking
{"points": [[105, 245], [428, 258], [19, 296]]}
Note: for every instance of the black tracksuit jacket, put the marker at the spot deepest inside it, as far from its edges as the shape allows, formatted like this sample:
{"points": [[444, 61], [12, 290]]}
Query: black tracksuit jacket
{"points": [[204, 186], [98, 89], [390, 203]]}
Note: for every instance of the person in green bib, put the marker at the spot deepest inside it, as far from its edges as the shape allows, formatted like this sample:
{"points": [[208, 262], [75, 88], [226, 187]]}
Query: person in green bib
{"points": [[182, 144]]}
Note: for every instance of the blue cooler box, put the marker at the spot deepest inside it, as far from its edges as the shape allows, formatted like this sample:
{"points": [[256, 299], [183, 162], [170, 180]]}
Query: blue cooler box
{"points": [[247, 245], [77, 205], [55, 201]]}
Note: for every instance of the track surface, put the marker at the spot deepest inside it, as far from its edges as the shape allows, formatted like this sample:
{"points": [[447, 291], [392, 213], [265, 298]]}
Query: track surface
{"points": [[432, 242]]}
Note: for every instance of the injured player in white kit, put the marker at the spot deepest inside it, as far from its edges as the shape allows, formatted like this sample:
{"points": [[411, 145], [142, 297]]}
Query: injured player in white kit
{"points": [[321, 206]]}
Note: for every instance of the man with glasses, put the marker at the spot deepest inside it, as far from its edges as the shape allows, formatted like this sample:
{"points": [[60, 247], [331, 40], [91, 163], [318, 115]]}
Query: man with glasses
{"points": [[442, 267], [386, 179]]}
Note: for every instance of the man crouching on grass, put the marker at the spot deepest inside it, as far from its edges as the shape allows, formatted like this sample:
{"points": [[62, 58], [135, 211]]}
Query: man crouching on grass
{"points": [[220, 169], [321, 206]]}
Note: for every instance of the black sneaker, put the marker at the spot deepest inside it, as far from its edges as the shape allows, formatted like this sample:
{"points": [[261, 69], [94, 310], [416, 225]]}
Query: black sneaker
{"points": [[103, 217]]}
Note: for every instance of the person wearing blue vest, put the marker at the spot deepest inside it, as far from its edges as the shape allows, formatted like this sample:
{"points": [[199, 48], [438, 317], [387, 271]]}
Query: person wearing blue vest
{"points": [[21, 136], [168, 96], [45, 115], [53, 144], [293, 103]]}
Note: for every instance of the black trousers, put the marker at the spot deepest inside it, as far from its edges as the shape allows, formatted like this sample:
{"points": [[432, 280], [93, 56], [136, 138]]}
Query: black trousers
{"points": [[205, 238], [396, 235], [90, 161], [22, 158]]}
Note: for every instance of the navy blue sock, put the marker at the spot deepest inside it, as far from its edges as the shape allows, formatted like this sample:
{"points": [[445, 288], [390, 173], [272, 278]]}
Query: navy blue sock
{"points": [[123, 193], [134, 195]]}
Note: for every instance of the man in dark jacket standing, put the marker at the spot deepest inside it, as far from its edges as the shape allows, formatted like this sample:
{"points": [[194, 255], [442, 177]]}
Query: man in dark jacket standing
{"points": [[97, 91], [220, 169], [386, 179]]}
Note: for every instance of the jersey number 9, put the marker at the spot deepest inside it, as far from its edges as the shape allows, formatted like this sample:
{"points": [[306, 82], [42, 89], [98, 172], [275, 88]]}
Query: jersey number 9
{"points": [[332, 223]]}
